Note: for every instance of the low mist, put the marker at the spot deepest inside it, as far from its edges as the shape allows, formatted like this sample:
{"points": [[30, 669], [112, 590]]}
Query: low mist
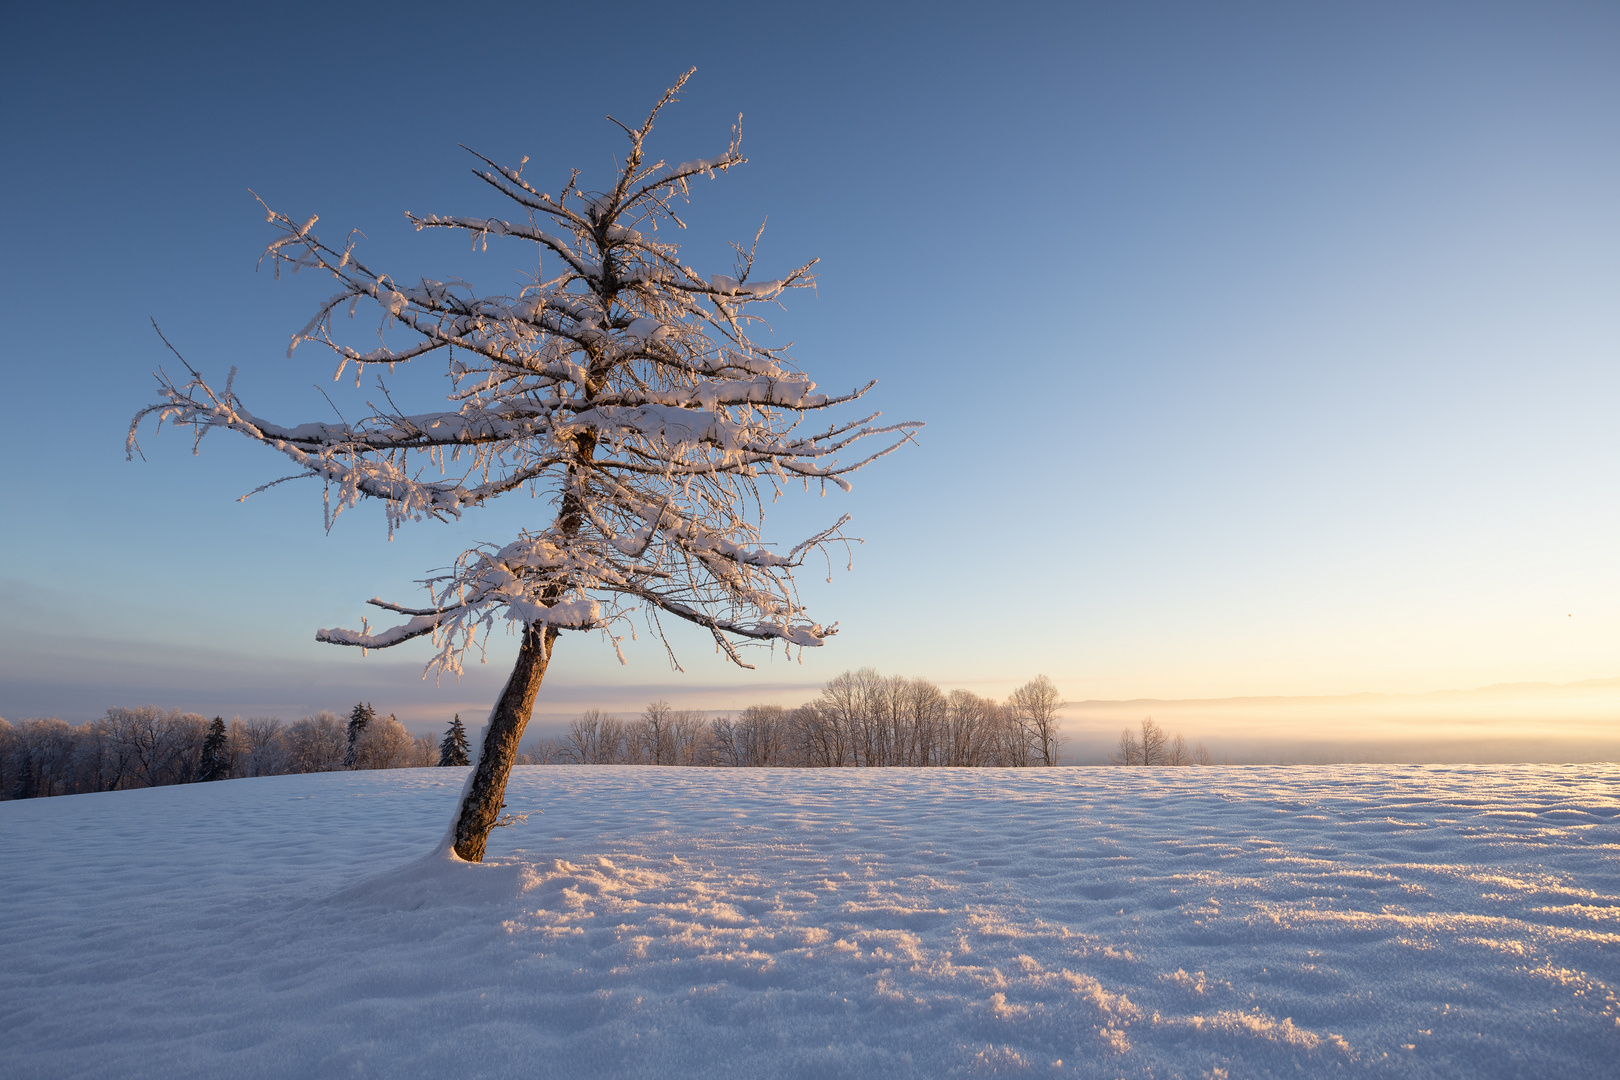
{"points": [[1520, 722]]}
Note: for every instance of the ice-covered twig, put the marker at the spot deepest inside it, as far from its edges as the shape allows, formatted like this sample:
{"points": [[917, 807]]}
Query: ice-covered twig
{"points": [[625, 390]]}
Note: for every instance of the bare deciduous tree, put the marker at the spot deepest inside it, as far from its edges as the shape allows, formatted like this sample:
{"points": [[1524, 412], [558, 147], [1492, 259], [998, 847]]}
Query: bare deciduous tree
{"points": [[103, 761], [256, 746], [820, 737], [922, 708], [687, 734], [1035, 705], [1154, 747], [761, 734], [654, 734], [1009, 746], [594, 738], [625, 386], [43, 760], [969, 722], [1129, 750], [725, 748], [160, 747], [10, 754], [1153, 743], [546, 752]]}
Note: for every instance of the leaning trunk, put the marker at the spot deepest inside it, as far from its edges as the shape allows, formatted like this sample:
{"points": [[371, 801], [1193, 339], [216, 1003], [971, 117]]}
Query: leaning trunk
{"points": [[481, 806]]}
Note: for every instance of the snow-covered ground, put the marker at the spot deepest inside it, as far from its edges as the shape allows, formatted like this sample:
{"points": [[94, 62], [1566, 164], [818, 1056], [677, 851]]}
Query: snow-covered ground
{"points": [[1439, 921]]}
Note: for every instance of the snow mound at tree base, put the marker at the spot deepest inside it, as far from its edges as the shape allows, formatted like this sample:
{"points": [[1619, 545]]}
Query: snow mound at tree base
{"points": [[440, 880], [1344, 921]]}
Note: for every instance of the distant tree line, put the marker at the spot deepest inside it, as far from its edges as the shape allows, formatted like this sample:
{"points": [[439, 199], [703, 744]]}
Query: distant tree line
{"points": [[1153, 747], [151, 747], [861, 718]]}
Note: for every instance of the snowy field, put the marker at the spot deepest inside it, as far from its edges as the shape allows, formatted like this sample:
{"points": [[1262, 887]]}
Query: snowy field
{"points": [[1438, 921]]}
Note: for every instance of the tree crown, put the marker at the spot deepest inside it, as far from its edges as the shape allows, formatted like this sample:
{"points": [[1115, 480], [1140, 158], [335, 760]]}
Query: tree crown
{"points": [[625, 387]]}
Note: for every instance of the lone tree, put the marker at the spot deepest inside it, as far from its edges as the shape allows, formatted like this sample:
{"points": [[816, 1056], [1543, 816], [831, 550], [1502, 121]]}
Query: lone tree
{"points": [[453, 747], [624, 387]]}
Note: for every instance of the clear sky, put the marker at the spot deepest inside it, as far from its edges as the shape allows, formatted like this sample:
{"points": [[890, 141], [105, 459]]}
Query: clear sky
{"points": [[1264, 349]]}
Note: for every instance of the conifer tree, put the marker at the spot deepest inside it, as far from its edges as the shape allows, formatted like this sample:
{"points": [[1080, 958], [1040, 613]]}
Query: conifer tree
{"points": [[361, 715], [453, 750], [216, 756]]}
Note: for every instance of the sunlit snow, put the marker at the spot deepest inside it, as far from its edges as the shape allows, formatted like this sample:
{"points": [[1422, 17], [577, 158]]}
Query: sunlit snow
{"points": [[1219, 922]]}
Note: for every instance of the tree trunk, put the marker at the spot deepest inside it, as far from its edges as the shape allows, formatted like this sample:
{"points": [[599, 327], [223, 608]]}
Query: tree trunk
{"points": [[482, 805]]}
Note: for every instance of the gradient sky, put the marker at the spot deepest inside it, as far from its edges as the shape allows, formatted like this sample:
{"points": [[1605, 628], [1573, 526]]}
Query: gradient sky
{"points": [[1264, 349]]}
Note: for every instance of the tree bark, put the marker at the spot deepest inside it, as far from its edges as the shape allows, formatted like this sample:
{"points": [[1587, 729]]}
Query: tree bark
{"points": [[482, 805]]}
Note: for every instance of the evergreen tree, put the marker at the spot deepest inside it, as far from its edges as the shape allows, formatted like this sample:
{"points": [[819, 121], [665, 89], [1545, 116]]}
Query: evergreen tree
{"points": [[216, 754], [453, 750], [361, 715]]}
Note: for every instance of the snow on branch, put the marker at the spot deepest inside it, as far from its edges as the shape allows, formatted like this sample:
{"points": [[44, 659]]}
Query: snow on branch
{"points": [[626, 390]]}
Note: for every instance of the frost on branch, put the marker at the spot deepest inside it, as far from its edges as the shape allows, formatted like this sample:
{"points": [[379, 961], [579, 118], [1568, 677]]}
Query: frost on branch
{"points": [[625, 387]]}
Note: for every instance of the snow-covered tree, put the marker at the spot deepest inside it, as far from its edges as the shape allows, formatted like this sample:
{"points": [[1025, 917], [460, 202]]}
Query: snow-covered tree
{"points": [[424, 752], [317, 743], [383, 744], [619, 382], [159, 747], [453, 750]]}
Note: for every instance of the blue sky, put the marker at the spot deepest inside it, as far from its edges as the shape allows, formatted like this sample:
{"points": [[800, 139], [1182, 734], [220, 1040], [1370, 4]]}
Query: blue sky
{"points": [[1265, 349]]}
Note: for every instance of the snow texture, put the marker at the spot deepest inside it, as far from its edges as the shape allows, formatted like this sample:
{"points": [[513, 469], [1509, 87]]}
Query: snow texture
{"points": [[1431, 921]]}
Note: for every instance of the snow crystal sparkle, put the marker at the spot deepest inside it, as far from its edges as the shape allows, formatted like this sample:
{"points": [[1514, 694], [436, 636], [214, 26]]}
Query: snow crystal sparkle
{"points": [[1358, 921]]}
